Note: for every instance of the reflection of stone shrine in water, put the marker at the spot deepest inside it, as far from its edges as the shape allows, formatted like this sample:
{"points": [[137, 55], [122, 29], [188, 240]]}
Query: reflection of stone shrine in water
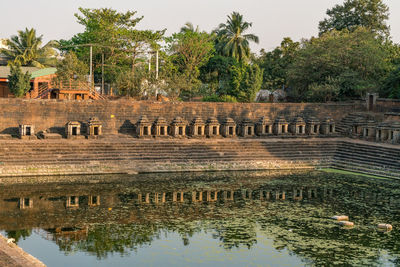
{"points": [[72, 214], [68, 205]]}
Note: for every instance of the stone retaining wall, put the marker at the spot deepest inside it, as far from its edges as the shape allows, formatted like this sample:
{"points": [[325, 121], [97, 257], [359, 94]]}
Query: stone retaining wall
{"points": [[121, 115]]}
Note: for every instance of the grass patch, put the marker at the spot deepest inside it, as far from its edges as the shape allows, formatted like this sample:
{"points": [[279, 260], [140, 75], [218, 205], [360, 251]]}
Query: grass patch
{"points": [[331, 170]]}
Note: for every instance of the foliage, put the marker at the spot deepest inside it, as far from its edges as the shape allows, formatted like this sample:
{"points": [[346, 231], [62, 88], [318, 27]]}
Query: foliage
{"points": [[231, 39], [350, 63], [25, 49], [371, 14], [222, 98], [276, 63], [189, 27], [114, 35], [17, 234], [391, 87], [243, 83], [216, 71], [189, 50], [18, 82], [130, 84], [71, 68]]}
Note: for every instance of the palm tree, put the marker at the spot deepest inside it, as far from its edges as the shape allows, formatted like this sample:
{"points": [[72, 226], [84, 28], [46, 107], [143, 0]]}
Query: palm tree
{"points": [[231, 40], [25, 49], [189, 27]]}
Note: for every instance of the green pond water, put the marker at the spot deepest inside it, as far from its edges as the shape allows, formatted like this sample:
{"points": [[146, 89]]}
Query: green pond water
{"points": [[204, 219]]}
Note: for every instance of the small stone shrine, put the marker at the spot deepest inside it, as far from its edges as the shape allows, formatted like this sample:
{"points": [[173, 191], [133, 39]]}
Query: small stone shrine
{"points": [[312, 126], [369, 130], [382, 132], [264, 126], [212, 127], [27, 131], [160, 127], [94, 128], [246, 128], [143, 127], [357, 128], [73, 129], [395, 132], [197, 127], [280, 126], [298, 126], [178, 127], [327, 126], [228, 127]]}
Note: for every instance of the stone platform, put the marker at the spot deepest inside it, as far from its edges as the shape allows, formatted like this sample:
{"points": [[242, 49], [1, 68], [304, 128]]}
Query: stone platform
{"points": [[127, 155], [13, 256]]}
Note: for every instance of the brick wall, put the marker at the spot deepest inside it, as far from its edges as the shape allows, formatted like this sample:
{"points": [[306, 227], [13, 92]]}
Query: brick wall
{"points": [[387, 105], [121, 115]]}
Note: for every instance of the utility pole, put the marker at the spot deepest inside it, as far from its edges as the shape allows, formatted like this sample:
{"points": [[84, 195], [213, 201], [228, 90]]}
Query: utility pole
{"points": [[149, 63], [157, 65], [102, 73], [91, 63]]}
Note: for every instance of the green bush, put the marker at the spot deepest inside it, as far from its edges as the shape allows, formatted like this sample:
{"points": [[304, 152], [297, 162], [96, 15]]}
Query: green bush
{"points": [[223, 98]]}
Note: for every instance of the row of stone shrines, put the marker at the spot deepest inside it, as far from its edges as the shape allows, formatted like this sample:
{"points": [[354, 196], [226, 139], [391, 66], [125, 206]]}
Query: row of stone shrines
{"points": [[200, 128], [386, 132], [229, 128]]}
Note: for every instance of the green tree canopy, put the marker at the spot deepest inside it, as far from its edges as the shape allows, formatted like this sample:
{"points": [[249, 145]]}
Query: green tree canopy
{"points": [[372, 14], [232, 40], [26, 49], [113, 35], [190, 50], [189, 27], [18, 82], [71, 68], [276, 63], [349, 63], [391, 87]]}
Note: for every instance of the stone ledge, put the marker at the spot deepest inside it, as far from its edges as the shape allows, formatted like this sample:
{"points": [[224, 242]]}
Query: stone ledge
{"points": [[13, 256]]}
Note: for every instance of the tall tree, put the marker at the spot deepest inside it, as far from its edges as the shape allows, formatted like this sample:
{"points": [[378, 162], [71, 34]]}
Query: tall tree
{"points": [[391, 87], [372, 14], [189, 51], [71, 68], [347, 63], [18, 82], [26, 49], [243, 83], [189, 27], [114, 36], [232, 40], [275, 64]]}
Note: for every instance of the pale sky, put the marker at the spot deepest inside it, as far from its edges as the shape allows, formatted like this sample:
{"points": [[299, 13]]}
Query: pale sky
{"points": [[272, 19]]}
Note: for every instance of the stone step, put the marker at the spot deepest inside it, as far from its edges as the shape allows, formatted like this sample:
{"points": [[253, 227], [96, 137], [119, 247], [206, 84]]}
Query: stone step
{"points": [[167, 158], [363, 168], [367, 156]]}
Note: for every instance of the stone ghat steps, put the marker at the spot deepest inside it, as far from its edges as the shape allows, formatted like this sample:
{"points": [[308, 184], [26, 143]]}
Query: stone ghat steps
{"points": [[369, 159], [171, 157], [161, 147], [366, 169], [157, 150], [90, 152], [381, 158], [167, 146], [164, 160], [373, 149], [347, 122], [165, 152], [372, 162]]}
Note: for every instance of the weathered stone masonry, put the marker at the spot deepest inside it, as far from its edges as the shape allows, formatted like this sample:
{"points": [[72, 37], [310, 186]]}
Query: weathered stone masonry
{"points": [[122, 115]]}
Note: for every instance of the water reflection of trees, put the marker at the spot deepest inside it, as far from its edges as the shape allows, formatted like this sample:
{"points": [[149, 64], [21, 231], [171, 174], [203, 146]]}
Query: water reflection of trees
{"points": [[301, 227]]}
